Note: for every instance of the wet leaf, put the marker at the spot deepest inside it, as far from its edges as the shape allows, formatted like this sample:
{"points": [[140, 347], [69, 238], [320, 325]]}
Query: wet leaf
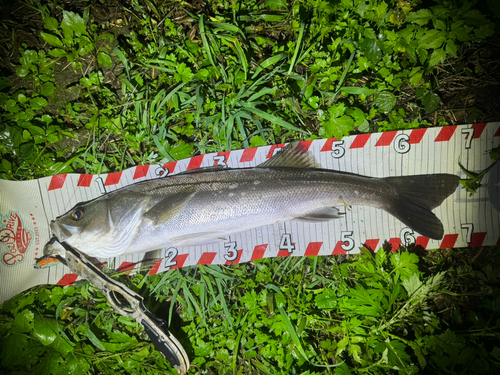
{"points": [[52, 40], [385, 101]]}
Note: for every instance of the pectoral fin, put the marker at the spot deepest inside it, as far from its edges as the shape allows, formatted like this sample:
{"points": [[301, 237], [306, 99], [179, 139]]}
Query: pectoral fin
{"points": [[325, 214], [169, 207]]}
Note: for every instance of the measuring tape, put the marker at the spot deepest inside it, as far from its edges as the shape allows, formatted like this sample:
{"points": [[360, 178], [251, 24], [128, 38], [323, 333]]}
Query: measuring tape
{"points": [[27, 207]]}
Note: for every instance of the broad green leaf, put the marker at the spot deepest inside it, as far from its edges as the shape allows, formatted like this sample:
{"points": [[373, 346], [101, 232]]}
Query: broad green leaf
{"points": [[12, 106], [14, 348], [485, 31], [358, 90], [52, 40], [183, 74], [363, 63], [338, 127], [38, 103], [433, 39], [372, 49], [437, 57], [23, 321], [29, 58], [430, 101], [48, 89], [416, 76], [62, 345], [275, 4], [397, 355], [58, 52], [50, 23], [75, 23], [202, 348], [462, 33], [49, 363], [45, 329], [357, 114], [327, 299], [385, 101], [22, 71], [75, 364], [420, 17], [257, 141], [104, 59]]}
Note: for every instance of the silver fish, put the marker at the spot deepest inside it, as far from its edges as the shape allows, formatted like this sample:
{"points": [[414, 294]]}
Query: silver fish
{"points": [[208, 205]]}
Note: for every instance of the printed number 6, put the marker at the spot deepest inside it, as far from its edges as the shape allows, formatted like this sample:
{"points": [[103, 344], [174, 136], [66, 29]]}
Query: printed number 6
{"points": [[337, 149], [347, 241], [407, 237], [170, 255], [231, 252], [402, 144]]}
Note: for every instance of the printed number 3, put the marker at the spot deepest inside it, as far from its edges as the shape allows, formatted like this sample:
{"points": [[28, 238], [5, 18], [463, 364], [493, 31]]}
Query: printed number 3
{"points": [[231, 252]]}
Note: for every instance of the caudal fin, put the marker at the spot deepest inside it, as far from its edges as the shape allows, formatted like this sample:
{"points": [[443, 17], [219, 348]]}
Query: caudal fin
{"points": [[416, 196]]}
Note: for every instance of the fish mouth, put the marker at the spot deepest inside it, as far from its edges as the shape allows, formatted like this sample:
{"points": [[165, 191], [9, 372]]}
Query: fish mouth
{"points": [[53, 254], [62, 231]]}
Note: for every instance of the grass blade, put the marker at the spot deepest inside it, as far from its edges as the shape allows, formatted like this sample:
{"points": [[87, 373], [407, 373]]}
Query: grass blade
{"points": [[273, 119]]}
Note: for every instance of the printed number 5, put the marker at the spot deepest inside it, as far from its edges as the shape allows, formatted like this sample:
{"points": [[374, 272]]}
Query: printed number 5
{"points": [[337, 149], [348, 242]]}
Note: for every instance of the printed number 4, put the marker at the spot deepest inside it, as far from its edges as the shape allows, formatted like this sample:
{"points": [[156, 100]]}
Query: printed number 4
{"points": [[286, 243]]}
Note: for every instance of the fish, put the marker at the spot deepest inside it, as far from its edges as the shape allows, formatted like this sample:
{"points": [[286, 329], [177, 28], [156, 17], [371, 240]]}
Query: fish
{"points": [[209, 204]]}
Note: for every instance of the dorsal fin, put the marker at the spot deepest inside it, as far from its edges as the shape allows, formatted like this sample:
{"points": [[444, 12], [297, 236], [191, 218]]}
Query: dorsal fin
{"points": [[293, 155]]}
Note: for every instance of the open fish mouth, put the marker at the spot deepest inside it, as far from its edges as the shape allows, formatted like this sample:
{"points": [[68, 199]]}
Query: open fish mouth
{"points": [[53, 254]]}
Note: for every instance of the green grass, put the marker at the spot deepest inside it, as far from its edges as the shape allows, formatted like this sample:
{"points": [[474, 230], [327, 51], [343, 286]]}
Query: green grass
{"points": [[101, 88]]}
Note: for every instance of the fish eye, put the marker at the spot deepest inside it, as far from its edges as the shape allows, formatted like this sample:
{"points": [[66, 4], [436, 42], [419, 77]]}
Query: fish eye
{"points": [[78, 213]]}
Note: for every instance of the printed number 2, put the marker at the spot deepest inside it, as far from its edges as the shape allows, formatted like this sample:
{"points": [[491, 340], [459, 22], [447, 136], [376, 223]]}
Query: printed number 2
{"points": [[170, 255], [286, 243], [347, 241], [231, 253], [470, 135]]}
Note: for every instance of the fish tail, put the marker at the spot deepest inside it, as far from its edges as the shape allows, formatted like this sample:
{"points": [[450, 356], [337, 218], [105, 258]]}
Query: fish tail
{"points": [[414, 198]]}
